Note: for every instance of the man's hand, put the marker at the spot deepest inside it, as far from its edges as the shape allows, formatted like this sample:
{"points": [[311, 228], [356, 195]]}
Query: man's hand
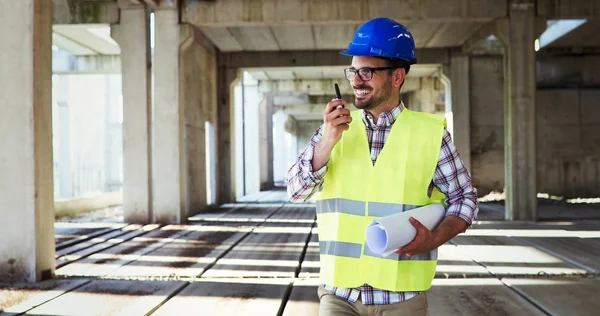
{"points": [[423, 242], [334, 124], [427, 240]]}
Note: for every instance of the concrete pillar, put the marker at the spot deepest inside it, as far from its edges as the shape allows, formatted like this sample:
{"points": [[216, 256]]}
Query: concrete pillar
{"points": [[426, 95], [185, 94], [240, 160], [26, 184], [280, 147], [133, 38], [520, 85], [252, 99], [168, 150], [291, 128], [461, 109], [266, 142], [113, 135], [227, 77], [61, 129], [198, 98]]}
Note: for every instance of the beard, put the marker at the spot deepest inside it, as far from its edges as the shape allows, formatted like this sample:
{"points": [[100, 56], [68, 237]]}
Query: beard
{"points": [[375, 98]]}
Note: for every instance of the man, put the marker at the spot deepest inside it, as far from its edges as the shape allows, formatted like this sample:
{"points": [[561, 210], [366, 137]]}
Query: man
{"points": [[361, 181]]}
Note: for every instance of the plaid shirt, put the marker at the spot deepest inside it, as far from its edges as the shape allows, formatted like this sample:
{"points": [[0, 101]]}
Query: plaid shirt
{"points": [[451, 178]]}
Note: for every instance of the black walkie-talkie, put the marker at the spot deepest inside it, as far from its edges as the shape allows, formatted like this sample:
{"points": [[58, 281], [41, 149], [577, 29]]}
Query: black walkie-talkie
{"points": [[338, 95]]}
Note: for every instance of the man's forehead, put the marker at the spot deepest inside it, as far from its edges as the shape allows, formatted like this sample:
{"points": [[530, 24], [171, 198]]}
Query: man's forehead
{"points": [[359, 62]]}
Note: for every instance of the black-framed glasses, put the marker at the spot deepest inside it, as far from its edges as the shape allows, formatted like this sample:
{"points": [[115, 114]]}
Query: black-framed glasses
{"points": [[365, 73]]}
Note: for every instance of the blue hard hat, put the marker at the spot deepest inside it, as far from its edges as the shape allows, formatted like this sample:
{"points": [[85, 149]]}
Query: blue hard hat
{"points": [[383, 37]]}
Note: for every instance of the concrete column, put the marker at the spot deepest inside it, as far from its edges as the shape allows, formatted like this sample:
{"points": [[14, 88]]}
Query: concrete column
{"points": [[62, 133], [240, 160], [291, 127], [227, 77], [198, 95], [426, 95], [520, 84], [26, 184], [252, 99], [168, 150], [461, 109], [280, 147], [133, 38], [266, 142], [114, 134]]}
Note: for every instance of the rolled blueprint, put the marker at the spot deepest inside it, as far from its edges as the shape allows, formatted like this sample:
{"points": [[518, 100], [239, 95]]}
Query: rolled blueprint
{"points": [[389, 233]]}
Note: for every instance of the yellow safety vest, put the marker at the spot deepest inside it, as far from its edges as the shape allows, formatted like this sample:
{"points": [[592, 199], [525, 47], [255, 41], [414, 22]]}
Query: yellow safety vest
{"points": [[356, 192]]}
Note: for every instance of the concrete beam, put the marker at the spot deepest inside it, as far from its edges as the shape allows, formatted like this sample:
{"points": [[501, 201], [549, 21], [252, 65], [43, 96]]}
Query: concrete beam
{"points": [[314, 58], [575, 9], [482, 33], [308, 112], [324, 99], [26, 185], [305, 110], [245, 13], [323, 86], [290, 98], [85, 12], [64, 64]]}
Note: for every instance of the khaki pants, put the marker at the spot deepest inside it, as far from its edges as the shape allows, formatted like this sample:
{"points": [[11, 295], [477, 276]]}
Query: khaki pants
{"points": [[332, 305]]}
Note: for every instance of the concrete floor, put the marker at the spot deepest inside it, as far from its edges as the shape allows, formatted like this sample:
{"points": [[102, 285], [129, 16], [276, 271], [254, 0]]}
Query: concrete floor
{"points": [[261, 258]]}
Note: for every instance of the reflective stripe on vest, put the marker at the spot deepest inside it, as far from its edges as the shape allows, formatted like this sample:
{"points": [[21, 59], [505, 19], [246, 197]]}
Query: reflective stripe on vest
{"points": [[353, 250], [341, 206], [387, 209], [340, 248], [358, 208]]}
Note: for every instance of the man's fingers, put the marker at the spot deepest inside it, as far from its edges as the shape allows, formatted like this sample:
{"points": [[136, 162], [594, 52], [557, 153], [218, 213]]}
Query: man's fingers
{"points": [[341, 120], [410, 247], [332, 104], [416, 224], [336, 114]]}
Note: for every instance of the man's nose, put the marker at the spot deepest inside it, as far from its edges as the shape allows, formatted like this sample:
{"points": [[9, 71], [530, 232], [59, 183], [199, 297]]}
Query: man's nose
{"points": [[357, 81]]}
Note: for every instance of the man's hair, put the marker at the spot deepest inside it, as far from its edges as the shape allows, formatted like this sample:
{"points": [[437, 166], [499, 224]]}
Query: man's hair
{"points": [[397, 63]]}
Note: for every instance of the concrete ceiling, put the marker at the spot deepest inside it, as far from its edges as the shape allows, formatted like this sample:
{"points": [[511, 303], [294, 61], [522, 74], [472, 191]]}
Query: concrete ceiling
{"points": [[328, 36], [84, 39]]}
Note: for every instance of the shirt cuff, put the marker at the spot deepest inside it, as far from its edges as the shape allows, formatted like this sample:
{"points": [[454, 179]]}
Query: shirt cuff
{"points": [[315, 175], [463, 211]]}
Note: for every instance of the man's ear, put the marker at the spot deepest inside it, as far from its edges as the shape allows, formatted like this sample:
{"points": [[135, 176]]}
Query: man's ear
{"points": [[398, 77]]}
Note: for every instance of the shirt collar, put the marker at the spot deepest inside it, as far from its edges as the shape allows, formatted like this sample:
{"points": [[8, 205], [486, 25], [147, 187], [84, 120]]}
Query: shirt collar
{"points": [[385, 118]]}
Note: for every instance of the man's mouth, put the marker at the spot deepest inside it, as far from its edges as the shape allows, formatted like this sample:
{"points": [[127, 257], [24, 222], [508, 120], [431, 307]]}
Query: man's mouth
{"points": [[361, 92]]}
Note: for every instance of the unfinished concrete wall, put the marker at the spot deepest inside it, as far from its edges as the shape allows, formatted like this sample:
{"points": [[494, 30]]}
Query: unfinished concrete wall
{"points": [[568, 142], [571, 71], [568, 125], [198, 92], [486, 81]]}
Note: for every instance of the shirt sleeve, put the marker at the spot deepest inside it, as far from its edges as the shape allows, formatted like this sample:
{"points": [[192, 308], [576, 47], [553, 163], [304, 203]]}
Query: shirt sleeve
{"points": [[302, 181], [453, 179]]}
